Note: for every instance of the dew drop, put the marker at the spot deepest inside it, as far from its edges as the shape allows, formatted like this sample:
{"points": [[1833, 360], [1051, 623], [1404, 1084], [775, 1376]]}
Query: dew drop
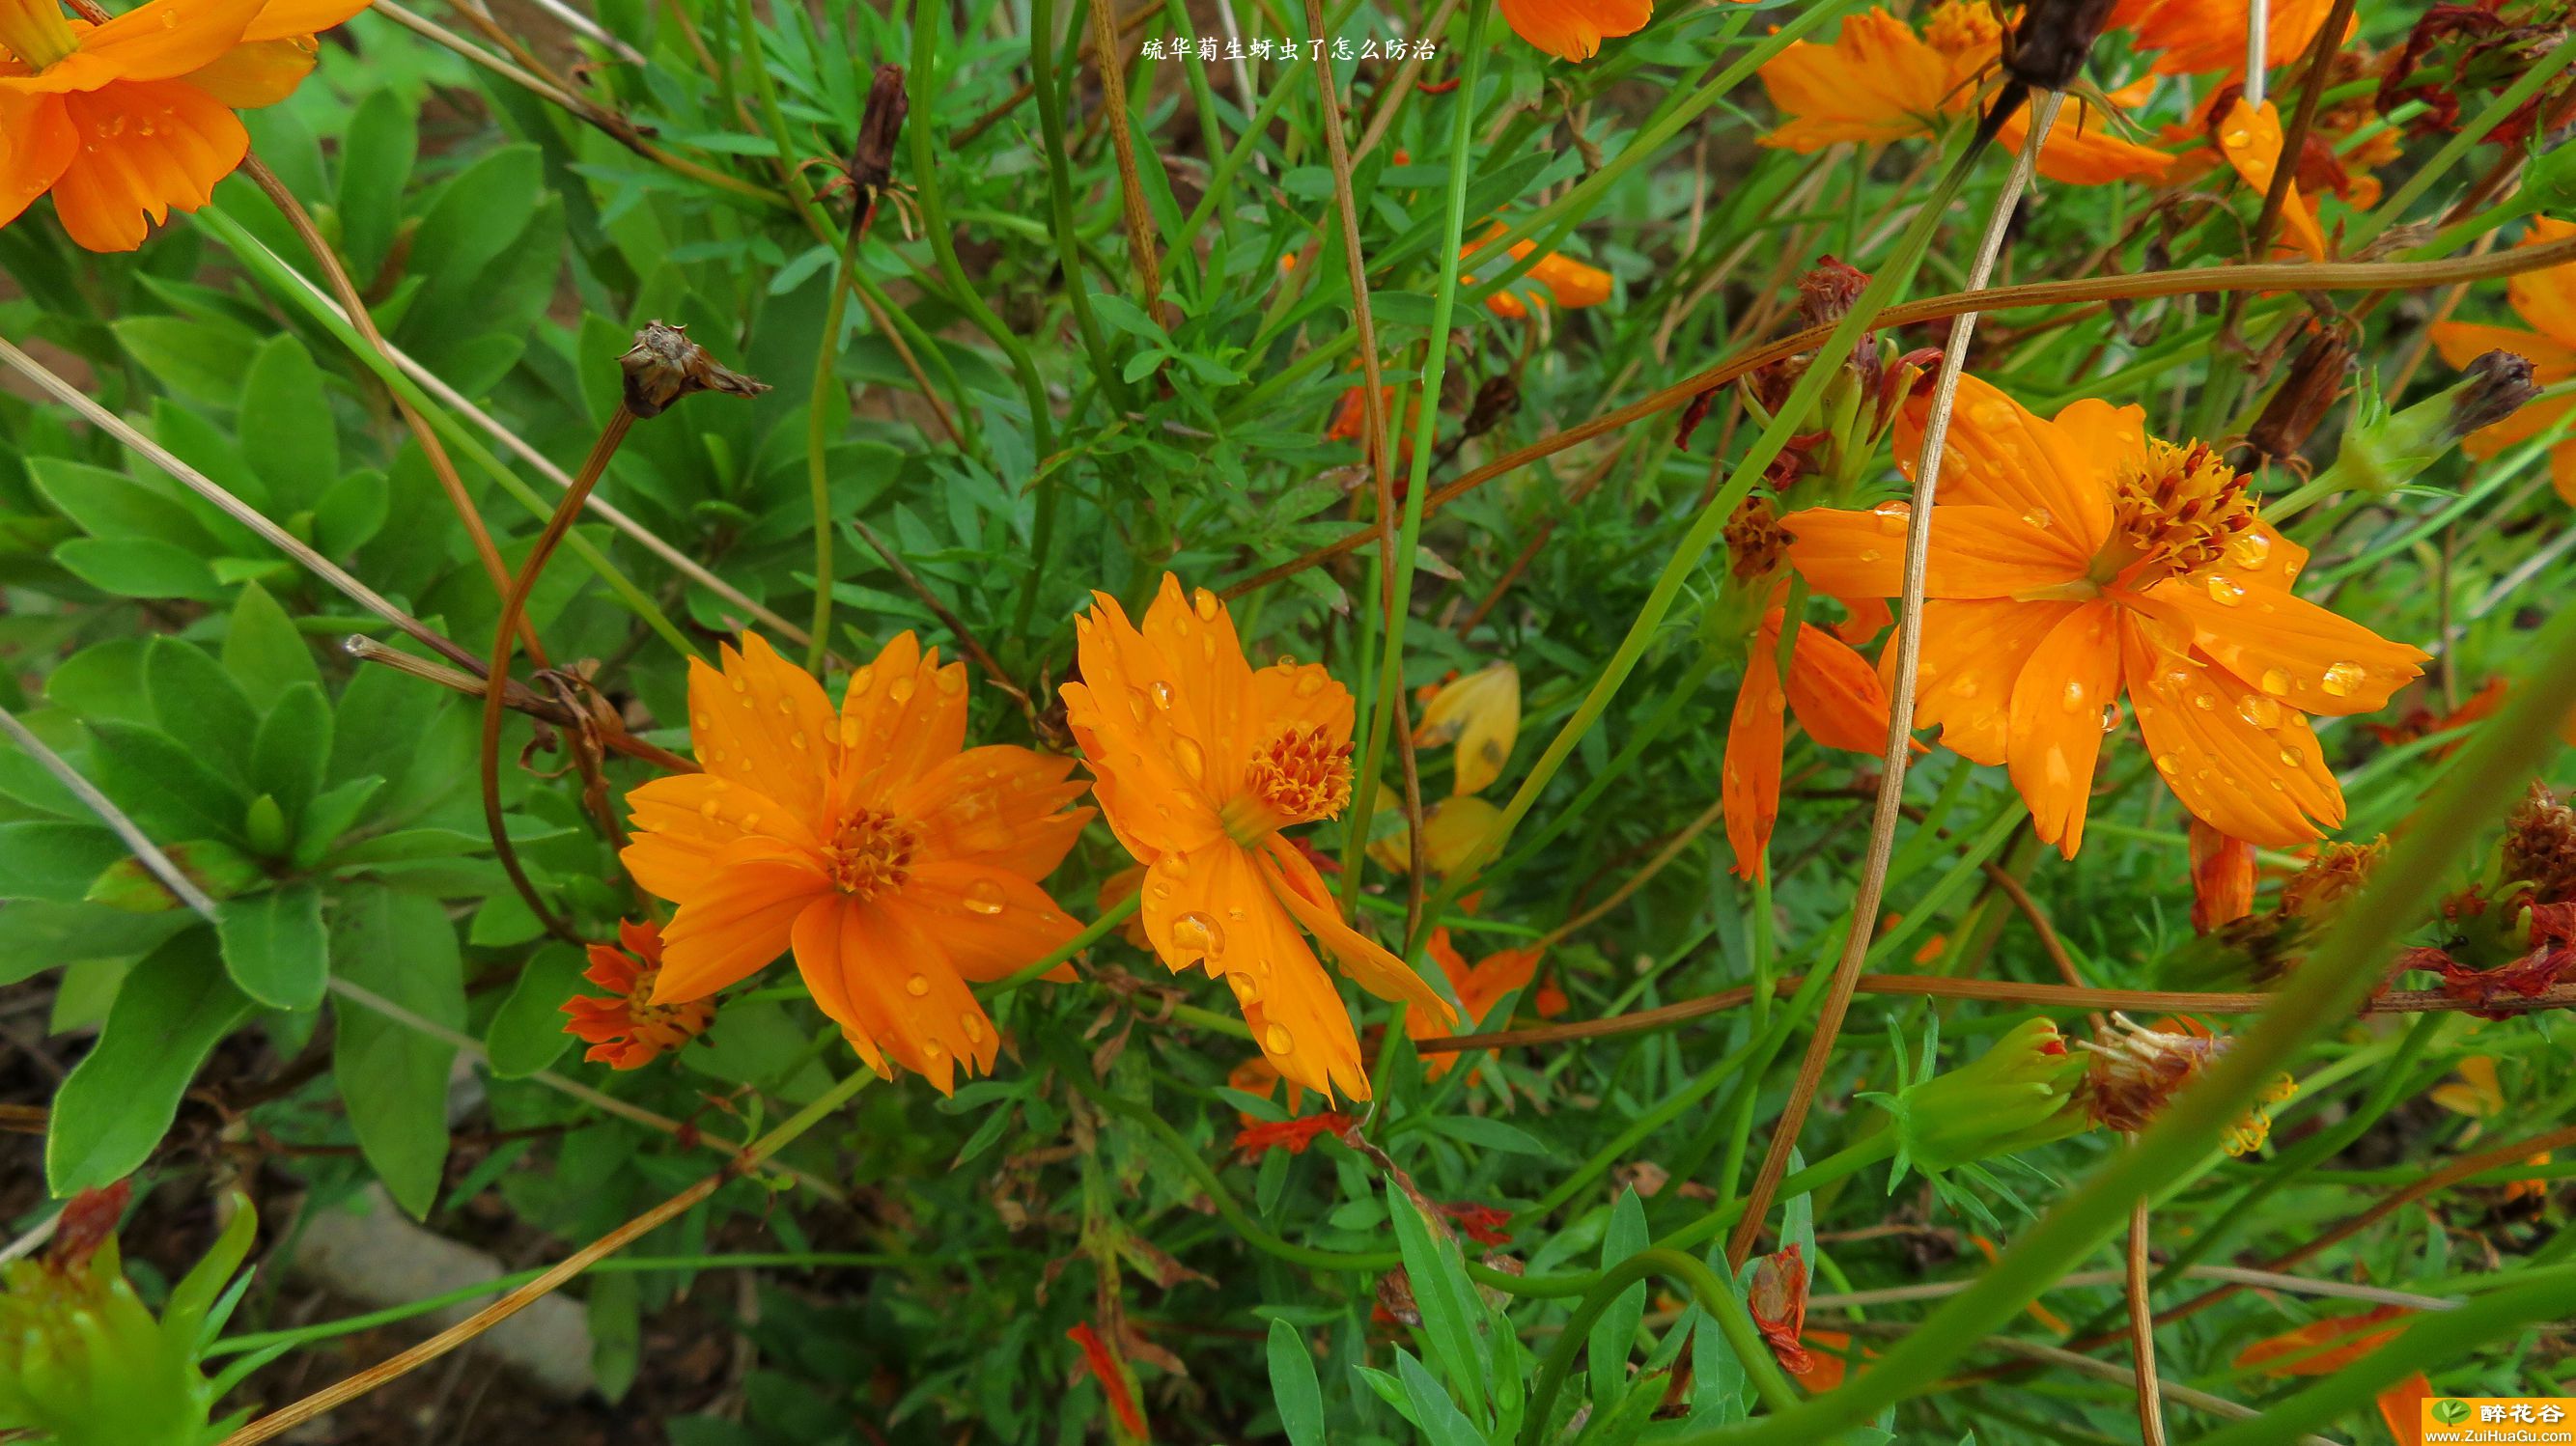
{"points": [[2293, 757], [2341, 678], [2237, 140], [917, 986], [2258, 710], [742, 685], [799, 742], [2275, 681], [1193, 761], [900, 690], [849, 733], [951, 680], [1203, 602], [2250, 549], [2168, 763], [1287, 660], [2038, 517], [1246, 989], [984, 896], [1172, 866], [2110, 717], [1869, 554], [973, 1026], [1278, 1040], [862, 680], [2205, 702], [749, 820], [708, 810], [2075, 696], [701, 721], [1310, 685], [1199, 935], [1162, 695], [1964, 686], [931, 1051], [2227, 592]]}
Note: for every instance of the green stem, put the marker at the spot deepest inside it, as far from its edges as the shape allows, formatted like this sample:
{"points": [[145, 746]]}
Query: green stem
{"points": [[1715, 1296], [821, 412], [1068, 246], [1110, 918]]}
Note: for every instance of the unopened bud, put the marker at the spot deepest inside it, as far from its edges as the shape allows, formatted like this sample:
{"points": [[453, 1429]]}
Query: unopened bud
{"points": [[880, 125], [2494, 387], [2021, 1093], [664, 366], [2049, 48], [2385, 450]]}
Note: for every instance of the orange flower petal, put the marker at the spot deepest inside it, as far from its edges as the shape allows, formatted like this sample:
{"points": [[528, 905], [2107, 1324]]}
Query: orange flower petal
{"points": [[2547, 299], [2261, 557], [2239, 760], [2054, 474], [1973, 652], [40, 146], [997, 806], [1878, 81], [903, 716], [901, 991], [1136, 744], [687, 822], [147, 149], [1220, 912], [1574, 29], [281, 19], [2083, 153], [2056, 720], [764, 724], [734, 927], [1749, 783], [2209, 36], [2401, 1406], [161, 40], [255, 73], [2315, 660], [991, 923], [1977, 552], [1835, 692], [1296, 884], [2251, 141], [2298, 1352], [2462, 342]]}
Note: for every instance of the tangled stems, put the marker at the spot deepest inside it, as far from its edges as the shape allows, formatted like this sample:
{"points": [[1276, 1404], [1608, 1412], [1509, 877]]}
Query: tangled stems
{"points": [[2317, 997], [1716, 1298]]}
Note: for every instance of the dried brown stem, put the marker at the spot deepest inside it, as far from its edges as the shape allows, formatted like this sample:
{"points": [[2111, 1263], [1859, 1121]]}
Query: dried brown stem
{"points": [[965, 636], [1141, 252], [519, 698], [2142, 1329]]}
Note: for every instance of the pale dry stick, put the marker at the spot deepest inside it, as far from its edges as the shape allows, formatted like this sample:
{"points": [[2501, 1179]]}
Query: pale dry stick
{"points": [[2085, 1279], [652, 542], [27, 1244], [432, 450], [2258, 45], [592, 29], [2165, 1390], [1399, 87], [1381, 449], [1141, 252], [1242, 72], [1900, 712], [233, 507], [176, 880], [2375, 276], [2142, 1324]]}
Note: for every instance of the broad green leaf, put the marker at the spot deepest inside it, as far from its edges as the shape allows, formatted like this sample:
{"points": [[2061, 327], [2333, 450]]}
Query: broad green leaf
{"points": [[1444, 1295], [263, 650], [115, 507], [1615, 1332], [527, 1032], [352, 512], [140, 567], [274, 946], [35, 936], [53, 860], [200, 359], [329, 816], [195, 699], [293, 746], [120, 1099], [616, 1333], [217, 869], [375, 160], [284, 406], [393, 1079], [162, 784], [1441, 1421], [1293, 1386]]}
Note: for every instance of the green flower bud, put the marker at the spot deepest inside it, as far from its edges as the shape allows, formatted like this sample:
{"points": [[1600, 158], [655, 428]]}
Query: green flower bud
{"points": [[2020, 1093], [2385, 450]]}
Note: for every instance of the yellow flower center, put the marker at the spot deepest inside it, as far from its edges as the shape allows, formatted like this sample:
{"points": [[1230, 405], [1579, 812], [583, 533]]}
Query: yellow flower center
{"points": [[1755, 543], [869, 853], [35, 32], [2175, 509], [1960, 27], [669, 1024], [1297, 777]]}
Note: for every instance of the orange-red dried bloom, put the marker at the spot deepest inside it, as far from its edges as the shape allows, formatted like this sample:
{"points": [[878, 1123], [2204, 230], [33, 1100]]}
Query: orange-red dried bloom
{"points": [[898, 864], [130, 120], [2136, 1071], [1105, 1368], [2335, 874], [1480, 1223], [1777, 1299], [2540, 846], [1256, 1140], [2222, 878], [627, 1030], [1200, 761]]}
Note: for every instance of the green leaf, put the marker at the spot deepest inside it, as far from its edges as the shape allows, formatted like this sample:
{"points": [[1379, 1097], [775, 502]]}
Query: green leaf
{"points": [[527, 1032], [201, 359], [217, 869], [1615, 1332], [616, 1333], [1444, 1295], [503, 920], [1293, 1386], [139, 567], [264, 651], [162, 785], [1490, 1134], [274, 946], [119, 1101], [375, 161], [330, 815], [115, 507], [1442, 1423], [293, 746], [284, 407], [393, 1080], [53, 860], [34, 937], [352, 512], [194, 698]]}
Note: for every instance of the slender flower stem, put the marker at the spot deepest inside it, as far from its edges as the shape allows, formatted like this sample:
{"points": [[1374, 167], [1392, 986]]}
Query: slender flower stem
{"points": [[324, 1401], [1900, 706], [513, 605], [2142, 1321], [1715, 1297]]}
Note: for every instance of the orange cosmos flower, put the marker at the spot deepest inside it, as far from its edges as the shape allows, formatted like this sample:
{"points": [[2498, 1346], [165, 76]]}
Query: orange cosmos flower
{"points": [[1574, 29], [2222, 878], [2078, 560], [1480, 988], [1481, 713], [133, 119], [628, 1030], [2323, 1347], [1199, 762], [897, 864], [1879, 81], [1839, 700], [2209, 36], [2546, 302], [1569, 283]]}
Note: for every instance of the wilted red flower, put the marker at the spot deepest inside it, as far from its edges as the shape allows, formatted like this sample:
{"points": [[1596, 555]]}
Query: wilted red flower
{"points": [[1480, 1223], [1112, 1377], [2222, 878], [1778, 1301], [1294, 1136], [627, 1030]]}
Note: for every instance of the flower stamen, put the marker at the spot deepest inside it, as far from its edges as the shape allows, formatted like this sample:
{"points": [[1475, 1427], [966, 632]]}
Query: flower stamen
{"points": [[1299, 776], [869, 853], [2175, 509]]}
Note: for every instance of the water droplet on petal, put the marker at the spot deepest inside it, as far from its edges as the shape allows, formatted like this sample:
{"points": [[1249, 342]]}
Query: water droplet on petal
{"points": [[1162, 695], [2038, 517], [1193, 762], [1869, 554], [2258, 710], [1203, 602], [742, 685], [849, 733], [2275, 681], [799, 742], [2341, 679], [2225, 591], [2168, 763], [1199, 936], [2075, 696], [1246, 989], [2250, 549], [2205, 702], [708, 810], [2293, 757], [1278, 1040], [862, 680], [951, 680], [917, 986], [900, 690], [1172, 865], [984, 896], [973, 1026], [1310, 685]]}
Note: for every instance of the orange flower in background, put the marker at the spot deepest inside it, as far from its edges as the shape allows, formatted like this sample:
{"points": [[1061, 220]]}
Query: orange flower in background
{"points": [[1451, 829], [896, 863], [2323, 1347], [2200, 37], [1480, 988], [1838, 698], [1574, 29], [1481, 713], [2079, 560], [128, 121], [2222, 878], [1569, 283], [1199, 762], [628, 1030], [2250, 138], [2546, 302], [1879, 81], [2401, 1406]]}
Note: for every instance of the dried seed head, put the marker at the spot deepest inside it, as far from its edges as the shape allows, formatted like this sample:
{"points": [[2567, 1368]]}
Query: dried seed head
{"points": [[2316, 379], [880, 125], [2137, 1071], [2048, 49], [1755, 543], [2494, 387], [2540, 847], [664, 366], [2336, 873]]}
